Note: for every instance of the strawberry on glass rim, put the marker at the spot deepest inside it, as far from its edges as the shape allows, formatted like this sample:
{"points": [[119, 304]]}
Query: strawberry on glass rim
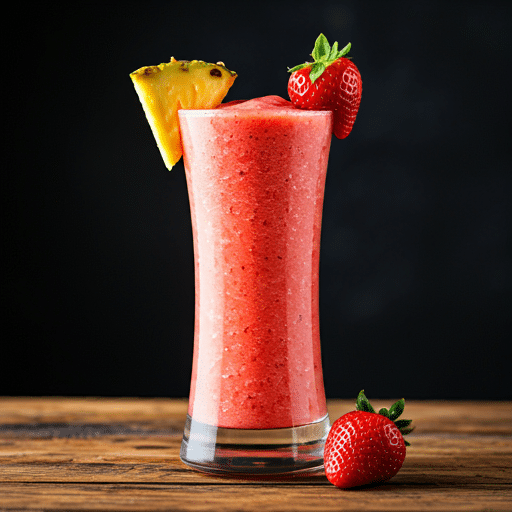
{"points": [[365, 447], [331, 82]]}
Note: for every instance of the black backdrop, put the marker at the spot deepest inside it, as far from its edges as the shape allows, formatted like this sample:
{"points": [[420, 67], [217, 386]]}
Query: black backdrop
{"points": [[416, 280]]}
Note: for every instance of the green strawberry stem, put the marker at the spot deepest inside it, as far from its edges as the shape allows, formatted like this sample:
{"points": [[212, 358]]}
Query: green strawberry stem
{"points": [[394, 412], [323, 55]]}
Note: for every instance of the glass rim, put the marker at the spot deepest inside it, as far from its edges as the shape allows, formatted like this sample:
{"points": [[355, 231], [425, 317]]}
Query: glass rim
{"points": [[270, 112]]}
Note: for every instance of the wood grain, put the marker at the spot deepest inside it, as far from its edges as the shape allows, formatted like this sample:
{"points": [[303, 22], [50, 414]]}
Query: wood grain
{"points": [[115, 459], [122, 454], [493, 417], [251, 497]]}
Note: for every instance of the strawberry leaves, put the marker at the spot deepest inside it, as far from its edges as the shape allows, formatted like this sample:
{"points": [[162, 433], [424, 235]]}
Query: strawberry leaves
{"points": [[394, 412], [396, 409], [321, 49], [363, 404], [323, 55]]}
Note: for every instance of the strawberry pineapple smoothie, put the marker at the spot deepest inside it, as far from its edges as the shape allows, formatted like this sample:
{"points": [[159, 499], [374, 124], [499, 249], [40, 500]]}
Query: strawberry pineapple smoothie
{"points": [[255, 173]]}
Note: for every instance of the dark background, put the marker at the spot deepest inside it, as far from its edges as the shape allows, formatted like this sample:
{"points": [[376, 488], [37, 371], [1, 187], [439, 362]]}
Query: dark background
{"points": [[416, 280]]}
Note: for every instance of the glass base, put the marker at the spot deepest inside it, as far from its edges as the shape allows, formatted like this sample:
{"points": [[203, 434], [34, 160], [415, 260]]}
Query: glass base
{"points": [[231, 451]]}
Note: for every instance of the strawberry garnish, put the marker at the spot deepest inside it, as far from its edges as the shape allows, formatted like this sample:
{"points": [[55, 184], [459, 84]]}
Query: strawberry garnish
{"points": [[331, 82], [364, 447]]}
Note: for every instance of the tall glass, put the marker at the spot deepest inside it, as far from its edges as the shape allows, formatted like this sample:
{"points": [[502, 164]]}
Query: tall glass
{"points": [[256, 184]]}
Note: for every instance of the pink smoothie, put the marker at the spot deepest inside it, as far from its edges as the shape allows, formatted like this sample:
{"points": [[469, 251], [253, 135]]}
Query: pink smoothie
{"points": [[255, 173]]}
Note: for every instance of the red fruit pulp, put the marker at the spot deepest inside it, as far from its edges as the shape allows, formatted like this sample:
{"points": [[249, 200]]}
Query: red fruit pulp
{"points": [[255, 172]]}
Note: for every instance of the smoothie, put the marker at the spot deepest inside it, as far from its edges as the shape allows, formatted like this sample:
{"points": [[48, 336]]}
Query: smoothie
{"points": [[255, 174]]}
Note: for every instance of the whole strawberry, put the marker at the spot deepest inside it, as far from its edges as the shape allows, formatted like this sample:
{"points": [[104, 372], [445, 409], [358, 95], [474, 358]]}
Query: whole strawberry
{"points": [[364, 447], [331, 82]]}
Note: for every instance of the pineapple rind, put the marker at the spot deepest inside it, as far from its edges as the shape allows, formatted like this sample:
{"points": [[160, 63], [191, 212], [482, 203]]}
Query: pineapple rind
{"points": [[175, 85]]}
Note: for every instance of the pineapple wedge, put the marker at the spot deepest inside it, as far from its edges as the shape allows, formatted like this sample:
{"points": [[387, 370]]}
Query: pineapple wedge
{"points": [[175, 85]]}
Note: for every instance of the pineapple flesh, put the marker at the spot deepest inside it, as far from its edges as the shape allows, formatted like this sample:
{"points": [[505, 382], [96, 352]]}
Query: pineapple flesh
{"points": [[175, 85]]}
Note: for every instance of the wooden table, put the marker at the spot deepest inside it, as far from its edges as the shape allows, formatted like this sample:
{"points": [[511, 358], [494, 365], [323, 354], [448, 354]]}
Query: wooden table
{"points": [[122, 454]]}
